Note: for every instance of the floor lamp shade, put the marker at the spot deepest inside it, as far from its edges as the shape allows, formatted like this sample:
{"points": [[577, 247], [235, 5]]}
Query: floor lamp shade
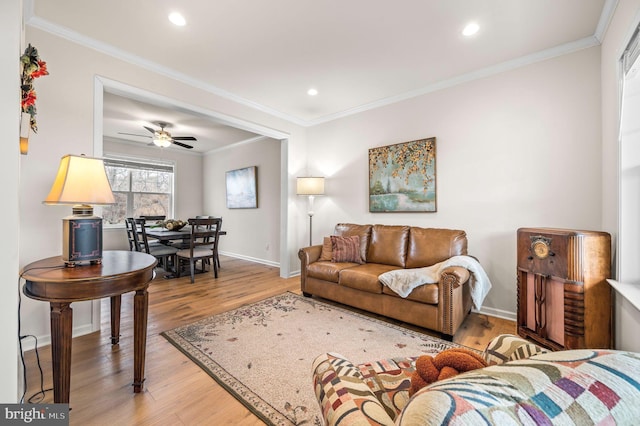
{"points": [[82, 182], [310, 186]]}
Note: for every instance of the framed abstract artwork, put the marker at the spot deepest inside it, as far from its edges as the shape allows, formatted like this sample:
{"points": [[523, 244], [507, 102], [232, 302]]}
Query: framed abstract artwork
{"points": [[242, 190], [402, 177]]}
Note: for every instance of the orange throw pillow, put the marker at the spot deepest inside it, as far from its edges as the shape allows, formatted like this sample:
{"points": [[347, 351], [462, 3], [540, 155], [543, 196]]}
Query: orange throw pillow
{"points": [[447, 363], [327, 252]]}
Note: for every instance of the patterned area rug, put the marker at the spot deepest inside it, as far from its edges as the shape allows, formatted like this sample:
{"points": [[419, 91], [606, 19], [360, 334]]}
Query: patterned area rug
{"points": [[262, 353]]}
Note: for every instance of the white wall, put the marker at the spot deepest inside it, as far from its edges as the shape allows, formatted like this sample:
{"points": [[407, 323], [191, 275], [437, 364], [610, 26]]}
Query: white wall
{"points": [[252, 234], [10, 51], [66, 126], [517, 149], [626, 16]]}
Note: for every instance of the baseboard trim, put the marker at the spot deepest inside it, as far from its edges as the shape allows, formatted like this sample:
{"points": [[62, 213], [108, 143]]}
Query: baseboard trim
{"points": [[44, 340], [251, 259], [498, 313]]}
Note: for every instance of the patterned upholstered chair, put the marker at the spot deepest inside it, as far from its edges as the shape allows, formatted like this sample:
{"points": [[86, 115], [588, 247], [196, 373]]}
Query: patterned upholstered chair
{"points": [[524, 384]]}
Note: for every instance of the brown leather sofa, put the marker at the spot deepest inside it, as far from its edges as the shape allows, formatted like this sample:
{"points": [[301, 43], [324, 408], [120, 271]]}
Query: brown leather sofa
{"points": [[441, 307]]}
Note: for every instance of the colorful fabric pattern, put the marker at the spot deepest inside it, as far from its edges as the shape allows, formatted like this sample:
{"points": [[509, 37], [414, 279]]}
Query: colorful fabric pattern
{"points": [[367, 394], [577, 387], [508, 347]]}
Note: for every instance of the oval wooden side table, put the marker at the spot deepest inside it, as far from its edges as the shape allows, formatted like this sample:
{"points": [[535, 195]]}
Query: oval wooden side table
{"points": [[120, 272]]}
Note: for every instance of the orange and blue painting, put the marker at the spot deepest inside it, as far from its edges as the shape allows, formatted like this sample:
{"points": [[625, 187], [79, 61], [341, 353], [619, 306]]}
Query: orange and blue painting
{"points": [[402, 177]]}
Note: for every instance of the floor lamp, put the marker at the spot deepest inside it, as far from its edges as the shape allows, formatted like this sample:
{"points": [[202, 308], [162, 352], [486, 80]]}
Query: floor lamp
{"points": [[311, 187]]}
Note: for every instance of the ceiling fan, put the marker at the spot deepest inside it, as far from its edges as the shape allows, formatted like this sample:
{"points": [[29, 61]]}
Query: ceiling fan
{"points": [[162, 138]]}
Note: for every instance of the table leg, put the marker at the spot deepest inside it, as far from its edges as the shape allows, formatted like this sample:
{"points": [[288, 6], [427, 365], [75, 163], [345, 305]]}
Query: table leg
{"points": [[61, 324], [115, 319], [140, 310]]}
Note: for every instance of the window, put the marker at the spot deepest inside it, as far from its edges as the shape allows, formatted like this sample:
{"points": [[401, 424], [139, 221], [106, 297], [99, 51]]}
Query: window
{"points": [[140, 187]]}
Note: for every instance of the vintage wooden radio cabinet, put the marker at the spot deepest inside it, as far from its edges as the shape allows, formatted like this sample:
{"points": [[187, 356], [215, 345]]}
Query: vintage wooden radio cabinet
{"points": [[564, 300]]}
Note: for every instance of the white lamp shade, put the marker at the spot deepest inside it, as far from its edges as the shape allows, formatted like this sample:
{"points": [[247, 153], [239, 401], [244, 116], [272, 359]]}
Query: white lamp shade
{"points": [[80, 180], [310, 186]]}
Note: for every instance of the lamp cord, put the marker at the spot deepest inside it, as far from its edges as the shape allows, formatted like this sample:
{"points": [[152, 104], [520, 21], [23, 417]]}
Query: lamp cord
{"points": [[41, 393]]}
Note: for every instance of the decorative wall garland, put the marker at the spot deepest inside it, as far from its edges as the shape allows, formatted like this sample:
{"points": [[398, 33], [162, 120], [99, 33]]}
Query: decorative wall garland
{"points": [[32, 68]]}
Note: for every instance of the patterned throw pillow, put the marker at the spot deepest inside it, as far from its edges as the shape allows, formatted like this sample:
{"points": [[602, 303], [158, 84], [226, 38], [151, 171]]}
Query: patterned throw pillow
{"points": [[346, 249], [327, 250]]}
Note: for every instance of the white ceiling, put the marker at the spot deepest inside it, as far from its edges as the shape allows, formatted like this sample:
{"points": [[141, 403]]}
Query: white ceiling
{"points": [[357, 53]]}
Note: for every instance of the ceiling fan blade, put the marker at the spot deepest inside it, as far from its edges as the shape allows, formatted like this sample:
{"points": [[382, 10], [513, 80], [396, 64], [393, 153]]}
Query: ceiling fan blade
{"points": [[184, 145], [149, 129], [134, 134], [184, 138]]}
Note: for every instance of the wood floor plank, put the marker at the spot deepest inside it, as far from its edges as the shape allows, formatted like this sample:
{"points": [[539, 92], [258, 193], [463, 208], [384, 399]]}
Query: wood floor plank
{"points": [[177, 391]]}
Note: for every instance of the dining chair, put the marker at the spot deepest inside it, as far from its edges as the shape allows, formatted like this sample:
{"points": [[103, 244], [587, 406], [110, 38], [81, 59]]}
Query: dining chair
{"points": [[153, 218], [166, 255], [131, 234], [203, 246], [217, 256]]}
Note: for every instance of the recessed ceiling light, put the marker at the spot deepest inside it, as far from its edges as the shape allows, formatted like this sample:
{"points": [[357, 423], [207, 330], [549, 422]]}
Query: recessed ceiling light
{"points": [[470, 29], [177, 19], [312, 92]]}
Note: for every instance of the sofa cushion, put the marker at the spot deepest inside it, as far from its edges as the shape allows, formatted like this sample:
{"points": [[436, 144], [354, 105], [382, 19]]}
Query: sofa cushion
{"points": [[346, 249], [327, 252], [427, 293], [362, 231], [364, 277], [388, 245], [328, 271], [428, 246]]}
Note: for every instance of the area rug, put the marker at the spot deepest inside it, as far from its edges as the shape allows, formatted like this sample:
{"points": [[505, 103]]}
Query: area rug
{"points": [[262, 352]]}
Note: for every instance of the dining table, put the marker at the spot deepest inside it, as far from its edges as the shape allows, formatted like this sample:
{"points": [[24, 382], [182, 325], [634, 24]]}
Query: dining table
{"points": [[165, 235]]}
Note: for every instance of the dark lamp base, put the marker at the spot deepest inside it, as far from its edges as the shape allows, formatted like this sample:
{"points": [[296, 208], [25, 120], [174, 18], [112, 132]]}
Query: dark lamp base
{"points": [[81, 239]]}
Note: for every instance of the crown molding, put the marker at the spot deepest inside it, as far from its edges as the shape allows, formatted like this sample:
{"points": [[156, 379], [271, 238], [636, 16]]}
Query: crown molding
{"points": [[107, 49], [236, 144], [608, 9], [543, 55], [605, 19]]}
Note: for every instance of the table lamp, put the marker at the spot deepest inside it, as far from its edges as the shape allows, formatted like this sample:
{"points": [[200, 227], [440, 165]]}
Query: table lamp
{"points": [[81, 181], [310, 186]]}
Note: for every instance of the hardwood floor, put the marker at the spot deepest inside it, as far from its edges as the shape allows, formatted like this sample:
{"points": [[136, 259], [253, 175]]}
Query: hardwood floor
{"points": [[177, 391]]}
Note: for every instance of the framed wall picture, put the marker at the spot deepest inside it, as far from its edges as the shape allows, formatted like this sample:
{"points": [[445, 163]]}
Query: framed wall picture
{"points": [[242, 190], [402, 177]]}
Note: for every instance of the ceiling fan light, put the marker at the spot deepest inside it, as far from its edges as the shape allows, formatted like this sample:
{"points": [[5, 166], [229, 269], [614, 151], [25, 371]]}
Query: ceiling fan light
{"points": [[162, 140]]}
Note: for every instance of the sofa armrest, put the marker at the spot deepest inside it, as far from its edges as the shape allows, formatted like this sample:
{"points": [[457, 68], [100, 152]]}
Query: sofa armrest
{"points": [[452, 304], [307, 256], [454, 276], [343, 395]]}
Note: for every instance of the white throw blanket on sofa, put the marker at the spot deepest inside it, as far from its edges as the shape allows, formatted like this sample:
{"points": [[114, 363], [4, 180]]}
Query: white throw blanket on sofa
{"points": [[403, 281]]}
